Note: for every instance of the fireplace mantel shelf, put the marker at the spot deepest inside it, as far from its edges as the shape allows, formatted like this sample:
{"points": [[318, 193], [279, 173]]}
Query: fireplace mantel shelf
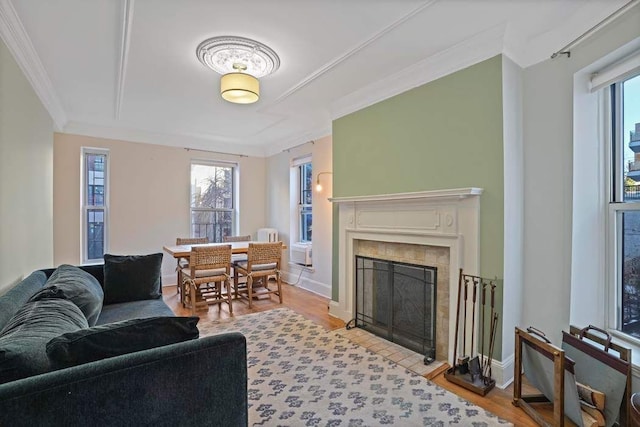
{"points": [[457, 193]]}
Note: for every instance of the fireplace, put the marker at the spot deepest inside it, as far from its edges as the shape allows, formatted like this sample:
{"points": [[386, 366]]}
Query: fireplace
{"points": [[429, 228], [397, 301]]}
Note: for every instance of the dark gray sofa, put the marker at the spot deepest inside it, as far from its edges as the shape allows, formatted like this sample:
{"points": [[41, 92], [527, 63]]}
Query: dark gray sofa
{"points": [[192, 383]]}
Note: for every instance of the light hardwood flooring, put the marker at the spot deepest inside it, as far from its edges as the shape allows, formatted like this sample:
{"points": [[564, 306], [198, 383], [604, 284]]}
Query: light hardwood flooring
{"points": [[316, 309]]}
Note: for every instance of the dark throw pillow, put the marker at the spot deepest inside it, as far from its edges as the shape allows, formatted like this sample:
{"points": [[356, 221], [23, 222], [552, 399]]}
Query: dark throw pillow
{"points": [[76, 285], [114, 339], [132, 277], [24, 339]]}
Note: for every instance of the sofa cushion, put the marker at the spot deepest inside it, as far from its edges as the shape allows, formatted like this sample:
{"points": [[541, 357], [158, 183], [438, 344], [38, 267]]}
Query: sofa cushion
{"points": [[15, 298], [131, 277], [24, 339], [73, 284], [133, 310], [114, 339]]}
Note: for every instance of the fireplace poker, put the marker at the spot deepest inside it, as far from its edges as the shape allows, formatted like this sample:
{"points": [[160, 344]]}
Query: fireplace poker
{"points": [[492, 340], [464, 325], [493, 304], [484, 293], [455, 347], [473, 314]]}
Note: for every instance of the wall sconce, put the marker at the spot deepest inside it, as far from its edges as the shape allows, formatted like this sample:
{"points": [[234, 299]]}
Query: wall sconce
{"points": [[318, 185]]}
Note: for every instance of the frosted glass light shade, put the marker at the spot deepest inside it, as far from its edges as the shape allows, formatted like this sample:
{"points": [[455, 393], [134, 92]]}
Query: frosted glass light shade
{"points": [[239, 88]]}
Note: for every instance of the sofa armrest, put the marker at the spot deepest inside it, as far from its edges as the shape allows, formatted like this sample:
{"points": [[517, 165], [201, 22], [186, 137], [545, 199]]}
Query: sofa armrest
{"points": [[197, 382], [96, 270]]}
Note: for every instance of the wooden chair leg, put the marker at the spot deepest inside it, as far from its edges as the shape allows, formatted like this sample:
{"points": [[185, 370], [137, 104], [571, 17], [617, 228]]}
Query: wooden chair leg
{"points": [[235, 282], [279, 282], [192, 296], [227, 284], [250, 290]]}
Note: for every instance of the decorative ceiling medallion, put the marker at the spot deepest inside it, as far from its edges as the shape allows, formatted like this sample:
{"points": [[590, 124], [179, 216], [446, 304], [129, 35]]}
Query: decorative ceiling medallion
{"points": [[222, 53]]}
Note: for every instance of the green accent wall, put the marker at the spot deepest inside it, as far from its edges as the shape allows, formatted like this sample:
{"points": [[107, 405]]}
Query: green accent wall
{"points": [[445, 134]]}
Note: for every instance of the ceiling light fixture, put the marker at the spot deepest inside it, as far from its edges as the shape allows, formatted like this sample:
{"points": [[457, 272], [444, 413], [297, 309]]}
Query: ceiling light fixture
{"points": [[241, 62]]}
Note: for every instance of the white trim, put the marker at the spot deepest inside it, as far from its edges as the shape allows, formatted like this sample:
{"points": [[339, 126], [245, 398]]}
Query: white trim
{"points": [[17, 40], [127, 22], [477, 48], [619, 71], [429, 194], [200, 141], [297, 161], [322, 289], [337, 61], [444, 218], [84, 207], [502, 371]]}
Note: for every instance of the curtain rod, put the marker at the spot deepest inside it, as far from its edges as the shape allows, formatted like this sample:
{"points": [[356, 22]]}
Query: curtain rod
{"points": [[215, 152], [299, 145], [566, 50]]}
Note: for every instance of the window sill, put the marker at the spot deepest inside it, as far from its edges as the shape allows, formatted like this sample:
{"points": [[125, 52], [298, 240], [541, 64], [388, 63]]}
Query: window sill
{"points": [[634, 345]]}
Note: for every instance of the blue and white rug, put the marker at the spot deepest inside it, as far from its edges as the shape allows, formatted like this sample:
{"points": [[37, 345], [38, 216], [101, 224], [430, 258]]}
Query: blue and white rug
{"points": [[302, 375]]}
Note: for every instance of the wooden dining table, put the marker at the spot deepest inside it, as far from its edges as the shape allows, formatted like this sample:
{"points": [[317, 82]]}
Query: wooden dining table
{"points": [[184, 251]]}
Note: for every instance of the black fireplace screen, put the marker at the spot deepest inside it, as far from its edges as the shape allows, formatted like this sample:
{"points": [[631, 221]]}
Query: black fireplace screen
{"points": [[397, 301]]}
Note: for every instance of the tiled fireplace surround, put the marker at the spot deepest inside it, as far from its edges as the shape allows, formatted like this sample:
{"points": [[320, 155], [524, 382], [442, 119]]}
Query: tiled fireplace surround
{"points": [[433, 228]]}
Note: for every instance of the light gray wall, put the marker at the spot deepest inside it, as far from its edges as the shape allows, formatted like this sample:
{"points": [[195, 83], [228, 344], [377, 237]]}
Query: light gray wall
{"points": [[548, 175], [26, 176], [279, 214]]}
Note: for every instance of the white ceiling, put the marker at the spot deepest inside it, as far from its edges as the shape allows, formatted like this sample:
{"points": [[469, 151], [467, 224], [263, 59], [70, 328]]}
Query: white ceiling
{"points": [[128, 69]]}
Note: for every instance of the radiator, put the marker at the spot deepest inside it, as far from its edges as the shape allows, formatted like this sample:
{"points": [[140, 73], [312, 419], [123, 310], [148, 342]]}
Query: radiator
{"points": [[300, 253], [267, 235]]}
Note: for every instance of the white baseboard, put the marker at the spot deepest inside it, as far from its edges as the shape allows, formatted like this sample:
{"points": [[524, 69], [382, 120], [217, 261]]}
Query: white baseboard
{"points": [[319, 288], [502, 371], [169, 279], [336, 311]]}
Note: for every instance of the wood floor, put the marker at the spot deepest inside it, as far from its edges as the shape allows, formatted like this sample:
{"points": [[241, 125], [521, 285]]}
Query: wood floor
{"points": [[316, 309]]}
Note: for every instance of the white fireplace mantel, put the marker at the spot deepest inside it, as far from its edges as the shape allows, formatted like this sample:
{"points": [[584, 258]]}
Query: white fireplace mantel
{"points": [[417, 195], [445, 218]]}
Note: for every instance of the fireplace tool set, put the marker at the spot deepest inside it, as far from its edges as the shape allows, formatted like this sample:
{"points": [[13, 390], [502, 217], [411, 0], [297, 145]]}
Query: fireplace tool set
{"points": [[470, 369]]}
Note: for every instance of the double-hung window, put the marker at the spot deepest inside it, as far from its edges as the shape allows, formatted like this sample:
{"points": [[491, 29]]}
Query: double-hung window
{"points": [[213, 200], [623, 102], [305, 197], [95, 197]]}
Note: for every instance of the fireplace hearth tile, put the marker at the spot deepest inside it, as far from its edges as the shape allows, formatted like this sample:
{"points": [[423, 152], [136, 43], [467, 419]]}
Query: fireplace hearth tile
{"points": [[396, 353]]}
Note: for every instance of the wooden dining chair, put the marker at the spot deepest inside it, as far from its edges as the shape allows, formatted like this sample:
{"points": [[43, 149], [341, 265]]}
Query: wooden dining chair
{"points": [[184, 262], [209, 268], [263, 261]]}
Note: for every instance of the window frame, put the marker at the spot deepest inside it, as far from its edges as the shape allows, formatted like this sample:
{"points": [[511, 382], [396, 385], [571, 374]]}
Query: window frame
{"points": [[234, 211], [304, 208], [85, 207], [613, 134]]}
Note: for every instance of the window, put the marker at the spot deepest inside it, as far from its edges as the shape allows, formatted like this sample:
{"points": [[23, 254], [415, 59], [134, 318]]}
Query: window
{"points": [[624, 206], [95, 198], [305, 197], [213, 207]]}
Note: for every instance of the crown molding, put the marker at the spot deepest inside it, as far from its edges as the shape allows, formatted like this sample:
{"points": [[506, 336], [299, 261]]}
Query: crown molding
{"points": [[15, 37], [336, 61], [474, 49], [321, 131], [159, 138]]}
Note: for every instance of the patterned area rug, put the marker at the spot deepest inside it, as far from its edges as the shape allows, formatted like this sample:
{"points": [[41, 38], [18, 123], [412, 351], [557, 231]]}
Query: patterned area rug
{"points": [[302, 375]]}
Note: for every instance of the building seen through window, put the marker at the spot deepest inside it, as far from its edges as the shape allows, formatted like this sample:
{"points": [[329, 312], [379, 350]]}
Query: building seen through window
{"points": [[306, 198], [94, 205], [212, 201], [625, 113]]}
